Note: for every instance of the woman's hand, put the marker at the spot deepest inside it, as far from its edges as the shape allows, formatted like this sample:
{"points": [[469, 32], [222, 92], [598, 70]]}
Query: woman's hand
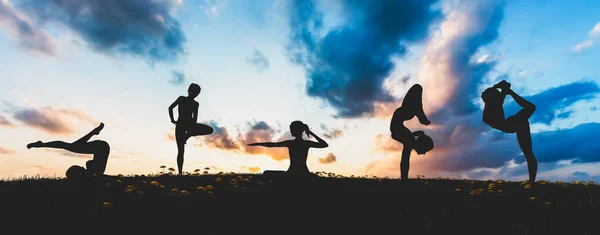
{"points": [[307, 130]]}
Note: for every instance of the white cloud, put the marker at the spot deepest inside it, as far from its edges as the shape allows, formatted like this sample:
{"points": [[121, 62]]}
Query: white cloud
{"points": [[213, 7], [521, 73], [593, 36], [583, 45], [595, 31]]}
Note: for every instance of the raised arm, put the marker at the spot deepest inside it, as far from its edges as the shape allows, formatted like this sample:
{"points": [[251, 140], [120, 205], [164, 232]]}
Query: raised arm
{"points": [[271, 144], [320, 144], [520, 101], [171, 107]]}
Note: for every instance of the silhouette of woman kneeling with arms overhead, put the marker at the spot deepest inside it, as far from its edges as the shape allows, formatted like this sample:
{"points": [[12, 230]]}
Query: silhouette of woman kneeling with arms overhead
{"points": [[298, 148], [186, 126], [100, 149], [412, 105], [493, 115]]}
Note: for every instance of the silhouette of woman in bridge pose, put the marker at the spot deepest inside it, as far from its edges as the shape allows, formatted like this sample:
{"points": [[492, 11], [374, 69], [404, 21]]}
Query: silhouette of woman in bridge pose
{"points": [[493, 115], [298, 148], [186, 126], [100, 149], [412, 105]]}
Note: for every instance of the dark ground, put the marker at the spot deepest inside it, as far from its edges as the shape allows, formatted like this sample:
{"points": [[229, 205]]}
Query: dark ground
{"points": [[258, 204]]}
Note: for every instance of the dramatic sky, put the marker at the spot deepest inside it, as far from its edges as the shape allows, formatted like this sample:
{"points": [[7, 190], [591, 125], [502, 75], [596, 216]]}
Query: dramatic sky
{"points": [[342, 67]]}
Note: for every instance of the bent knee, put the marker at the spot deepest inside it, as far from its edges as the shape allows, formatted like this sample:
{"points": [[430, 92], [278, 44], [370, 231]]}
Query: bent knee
{"points": [[103, 145], [418, 87]]}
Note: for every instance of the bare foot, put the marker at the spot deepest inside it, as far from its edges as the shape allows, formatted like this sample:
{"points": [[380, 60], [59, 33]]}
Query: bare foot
{"points": [[97, 130], [425, 122], [35, 144]]}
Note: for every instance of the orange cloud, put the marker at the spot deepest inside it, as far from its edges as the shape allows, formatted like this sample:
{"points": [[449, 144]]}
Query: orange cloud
{"points": [[256, 132], [6, 151], [253, 169], [330, 158]]}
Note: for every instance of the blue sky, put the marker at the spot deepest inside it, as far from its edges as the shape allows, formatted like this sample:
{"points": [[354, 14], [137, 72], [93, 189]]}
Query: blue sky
{"points": [[66, 69]]}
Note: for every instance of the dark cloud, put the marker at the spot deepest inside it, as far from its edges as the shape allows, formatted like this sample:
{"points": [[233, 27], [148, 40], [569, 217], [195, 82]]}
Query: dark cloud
{"points": [[53, 120], [220, 138], [179, 78], [5, 123], [143, 28], [22, 28], [348, 65], [256, 131], [331, 133], [5, 151], [258, 60], [552, 103], [330, 158]]}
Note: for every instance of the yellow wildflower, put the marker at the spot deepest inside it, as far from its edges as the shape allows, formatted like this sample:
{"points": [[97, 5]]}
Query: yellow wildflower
{"points": [[532, 198], [154, 183]]}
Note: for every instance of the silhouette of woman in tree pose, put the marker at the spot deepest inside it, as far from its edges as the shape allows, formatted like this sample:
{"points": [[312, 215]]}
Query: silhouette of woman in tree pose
{"points": [[100, 149], [412, 106], [493, 115], [298, 148], [186, 126]]}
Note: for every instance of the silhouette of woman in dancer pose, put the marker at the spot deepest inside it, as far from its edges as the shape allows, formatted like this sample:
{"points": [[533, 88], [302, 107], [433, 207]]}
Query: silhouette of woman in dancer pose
{"points": [[100, 149], [298, 148], [493, 115], [412, 106], [186, 126]]}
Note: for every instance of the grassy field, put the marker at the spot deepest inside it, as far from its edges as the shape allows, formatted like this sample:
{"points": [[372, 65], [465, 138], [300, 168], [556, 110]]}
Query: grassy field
{"points": [[226, 203]]}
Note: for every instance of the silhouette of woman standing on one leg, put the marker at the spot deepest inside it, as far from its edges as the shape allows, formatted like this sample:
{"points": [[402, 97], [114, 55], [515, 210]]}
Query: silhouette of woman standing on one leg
{"points": [[493, 115], [186, 126], [100, 149], [412, 105]]}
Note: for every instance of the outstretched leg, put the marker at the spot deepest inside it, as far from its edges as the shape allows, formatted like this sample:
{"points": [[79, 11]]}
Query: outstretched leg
{"points": [[88, 136], [76, 148], [413, 102], [524, 138]]}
